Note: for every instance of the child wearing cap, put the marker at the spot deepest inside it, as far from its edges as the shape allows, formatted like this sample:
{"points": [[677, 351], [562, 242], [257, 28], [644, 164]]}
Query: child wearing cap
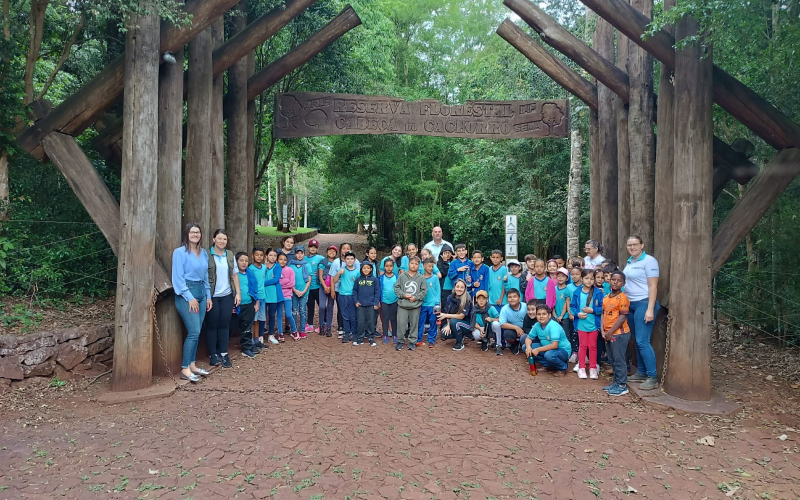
{"points": [[561, 312], [366, 293], [346, 278], [313, 259], [514, 277], [302, 282], [326, 297], [485, 326]]}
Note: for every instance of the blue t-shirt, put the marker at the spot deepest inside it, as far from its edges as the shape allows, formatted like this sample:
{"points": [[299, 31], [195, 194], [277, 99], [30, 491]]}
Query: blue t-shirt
{"points": [[347, 280], [493, 312], [300, 277], [334, 268], [272, 292], [434, 294], [404, 263], [387, 289], [512, 282], [509, 315], [562, 294], [540, 288], [588, 324], [552, 332], [496, 283], [313, 261], [261, 276], [244, 286]]}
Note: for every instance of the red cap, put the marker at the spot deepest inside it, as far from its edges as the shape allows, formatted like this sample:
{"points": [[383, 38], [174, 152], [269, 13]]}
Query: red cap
{"points": [[333, 247], [313, 243]]}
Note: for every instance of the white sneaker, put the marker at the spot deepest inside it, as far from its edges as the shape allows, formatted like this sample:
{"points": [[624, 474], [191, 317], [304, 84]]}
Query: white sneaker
{"points": [[593, 373], [272, 339], [576, 368], [573, 358], [581, 372]]}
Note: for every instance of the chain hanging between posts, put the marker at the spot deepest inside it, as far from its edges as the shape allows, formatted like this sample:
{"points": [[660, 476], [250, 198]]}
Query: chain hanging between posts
{"points": [[666, 352], [158, 337]]}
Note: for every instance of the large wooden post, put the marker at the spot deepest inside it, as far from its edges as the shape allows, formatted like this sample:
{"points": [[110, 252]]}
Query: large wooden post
{"points": [[595, 225], [197, 198], [239, 190], [217, 186], [133, 354], [641, 134], [623, 155], [665, 155], [168, 207], [607, 121], [251, 157], [689, 363]]}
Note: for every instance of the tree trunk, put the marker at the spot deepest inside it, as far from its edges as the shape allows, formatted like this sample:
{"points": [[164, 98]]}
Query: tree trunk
{"points": [[251, 156], [239, 165], [133, 348], [168, 207], [688, 373], [217, 186], [752, 258], [623, 155], [574, 196], [4, 191], [198, 180], [36, 30], [665, 161], [607, 147], [641, 135]]}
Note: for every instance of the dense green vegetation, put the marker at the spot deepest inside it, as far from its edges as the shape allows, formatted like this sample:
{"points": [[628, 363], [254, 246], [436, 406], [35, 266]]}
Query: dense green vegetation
{"points": [[444, 49]]}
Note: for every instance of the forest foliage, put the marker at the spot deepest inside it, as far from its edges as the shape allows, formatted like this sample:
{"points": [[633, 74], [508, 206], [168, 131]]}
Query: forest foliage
{"points": [[443, 49]]}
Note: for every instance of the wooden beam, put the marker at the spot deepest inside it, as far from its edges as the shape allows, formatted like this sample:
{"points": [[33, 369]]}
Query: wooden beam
{"points": [[622, 111], [571, 46], [753, 111], [133, 336], [549, 64], [607, 120], [239, 189], [761, 194], [84, 180], [276, 70], [641, 134], [664, 175], [85, 106]]}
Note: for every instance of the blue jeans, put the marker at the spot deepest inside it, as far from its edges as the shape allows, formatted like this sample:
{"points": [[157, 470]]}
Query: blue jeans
{"points": [[347, 305], [299, 310], [645, 356], [193, 321], [554, 358], [272, 311], [286, 307], [426, 315], [325, 309]]}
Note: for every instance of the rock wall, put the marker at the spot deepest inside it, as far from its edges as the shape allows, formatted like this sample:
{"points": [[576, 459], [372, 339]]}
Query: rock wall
{"points": [[61, 353]]}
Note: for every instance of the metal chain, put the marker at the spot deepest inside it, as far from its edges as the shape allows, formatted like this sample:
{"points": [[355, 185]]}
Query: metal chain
{"points": [[158, 337], [666, 351]]}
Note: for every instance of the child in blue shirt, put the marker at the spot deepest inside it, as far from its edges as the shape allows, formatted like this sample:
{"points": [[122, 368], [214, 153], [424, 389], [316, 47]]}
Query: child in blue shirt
{"points": [[248, 284], [388, 301], [366, 293], [346, 278], [497, 279], [432, 299], [547, 343], [561, 312], [587, 307], [313, 259], [459, 267], [478, 277], [302, 283], [514, 277]]}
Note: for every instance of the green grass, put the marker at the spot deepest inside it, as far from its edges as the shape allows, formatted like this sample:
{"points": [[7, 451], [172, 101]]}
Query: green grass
{"points": [[273, 231]]}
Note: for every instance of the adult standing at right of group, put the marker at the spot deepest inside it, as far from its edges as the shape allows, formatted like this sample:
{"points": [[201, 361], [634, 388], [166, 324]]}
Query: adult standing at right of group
{"points": [[437, 243], [641, 287], [225, 295], [594, 254], [192, 294]]}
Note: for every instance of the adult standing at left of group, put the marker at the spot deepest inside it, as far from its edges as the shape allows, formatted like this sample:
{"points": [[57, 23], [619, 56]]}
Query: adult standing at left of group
{"points": [[437, 243]]}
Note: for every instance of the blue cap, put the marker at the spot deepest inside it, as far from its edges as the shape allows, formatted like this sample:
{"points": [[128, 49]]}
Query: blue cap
{"points": [[299, 248]]}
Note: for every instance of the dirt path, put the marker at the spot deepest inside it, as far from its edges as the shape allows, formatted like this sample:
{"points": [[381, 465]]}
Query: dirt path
{"points": [[319, 419]]}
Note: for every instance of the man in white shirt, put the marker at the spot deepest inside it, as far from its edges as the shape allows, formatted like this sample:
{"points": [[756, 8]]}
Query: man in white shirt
{"points": [[435, 245]]}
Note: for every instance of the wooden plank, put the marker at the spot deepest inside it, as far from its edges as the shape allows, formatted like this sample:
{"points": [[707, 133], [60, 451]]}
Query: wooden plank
{"points": [[622, 111], [549, 64], [133, 337], [763, 191], [85, 106], [641, 135], [239, 166], [95, 197], [607, 121], [688, 373], [753, 111]]}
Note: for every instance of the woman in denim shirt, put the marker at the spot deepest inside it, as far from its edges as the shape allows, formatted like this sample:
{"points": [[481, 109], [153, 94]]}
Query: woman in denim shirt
{"points": [[192, 294]]}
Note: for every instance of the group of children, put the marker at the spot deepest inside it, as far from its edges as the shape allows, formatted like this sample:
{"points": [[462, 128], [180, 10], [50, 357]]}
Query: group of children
{"points": [[572, 312]]}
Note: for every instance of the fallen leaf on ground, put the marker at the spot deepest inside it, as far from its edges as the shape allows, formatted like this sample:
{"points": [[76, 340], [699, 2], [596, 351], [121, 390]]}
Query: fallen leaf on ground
{"points": [[707, 441]]}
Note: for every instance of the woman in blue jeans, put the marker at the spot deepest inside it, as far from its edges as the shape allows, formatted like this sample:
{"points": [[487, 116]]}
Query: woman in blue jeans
{"points": [[192, 294], [641, 287]]}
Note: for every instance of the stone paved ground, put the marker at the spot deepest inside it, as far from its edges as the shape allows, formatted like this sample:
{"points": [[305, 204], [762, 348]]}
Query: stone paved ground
{"points": [[318, 419]]}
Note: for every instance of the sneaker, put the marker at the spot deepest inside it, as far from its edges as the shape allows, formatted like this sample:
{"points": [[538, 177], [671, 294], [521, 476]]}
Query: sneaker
{"points": [[340, 333], [309, 328], [385, 339], [248, 354], [395, 340], [272, 339], [498, 350], [261, 345], [226, 361], [649, 384], [559, 373], [582, 373], [317, 329], [593, 373], [412, 346], [281, 338], [484, 346], [398, 346], [255, 350], [637, 377], [296, 335], [609, 386], [357, 342], [420, 344], [619, 390], [431, 345], [577, 367], [303, 335], [215, 360], [328, 332], [515, 348], [458, 347], [573, 358], [372, 343]]}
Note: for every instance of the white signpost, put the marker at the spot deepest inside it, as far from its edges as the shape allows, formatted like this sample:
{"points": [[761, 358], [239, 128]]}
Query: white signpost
{"points": [[511, 236]]}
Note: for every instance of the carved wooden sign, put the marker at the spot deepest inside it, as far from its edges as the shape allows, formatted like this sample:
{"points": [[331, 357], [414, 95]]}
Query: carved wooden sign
{"points": [[307, 114]]}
